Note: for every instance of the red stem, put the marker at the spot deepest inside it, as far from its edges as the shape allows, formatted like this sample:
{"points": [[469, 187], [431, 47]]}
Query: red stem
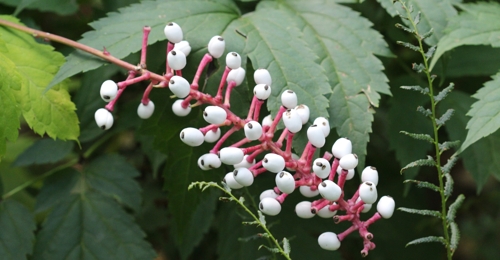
{"points": [[145, 33]]}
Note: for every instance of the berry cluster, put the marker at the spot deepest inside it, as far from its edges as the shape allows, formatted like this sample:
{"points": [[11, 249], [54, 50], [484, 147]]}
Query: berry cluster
{"points": [[310, 176]]}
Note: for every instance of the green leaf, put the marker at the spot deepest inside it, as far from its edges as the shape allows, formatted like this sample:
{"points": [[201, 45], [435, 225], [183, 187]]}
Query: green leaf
{"points": [[61, 7], [445, 117], [417, 88], [121, 33], [452, 210], [424, 212], [423, 184], [286, 246], [51, 112], [409, 46], [112, 175], [37, 153], [429, 239], [455, 236], [485, 112], [17, 225], [482, 158], [424, 137], [464, 61], [9, 121], [449, 164], [425, 112], [422, 162], [478, 24], [448, 145], [89, 225], [434, 14]]}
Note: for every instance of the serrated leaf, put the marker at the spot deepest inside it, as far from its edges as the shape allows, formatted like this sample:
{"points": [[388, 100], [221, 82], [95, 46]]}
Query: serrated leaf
{"points": [[404, 28], [417, 88], [112, 175], [449, 164], [484, 113], [90, 225], [478, 24], [425, 112], [61, 7], [52, 112], [17, 225], [422, 162], [37, 153], [445, 117], [271, 249], [452, 210], [424, 212], [429, 239], [435, 14], [424, 137], [443, 93], [445, 146], [430, 51], [121, 33], [423, 184], [286, 246], [9, 121], [448, 185], [418, 67], [455, 236], [409, 46]]}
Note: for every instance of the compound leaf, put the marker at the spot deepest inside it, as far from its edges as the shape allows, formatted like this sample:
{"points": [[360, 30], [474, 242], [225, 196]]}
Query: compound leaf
{"points": [[424, 212], [478, 24], [37, 153], [485, 112], [18, 225], [434, 14], [422, 162], [429, 239], [50, 112]]}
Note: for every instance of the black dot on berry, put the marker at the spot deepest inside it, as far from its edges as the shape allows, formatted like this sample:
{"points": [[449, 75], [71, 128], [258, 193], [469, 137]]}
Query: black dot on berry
{"points": [[224, 180], [323, 184], [319, 164], [369, 184], [313, 211], [261, 206], [373, 168], [174, 53], [355, 156], [250, 125], [282, 174], [235, 172], [324, 123], [220, 39], [289, 91], [106, 97], [266, 160], [314, 126], [234, 54], [172, 81], [323, 167], [103, 127], [205, 113], [255, 93], [202, 162], [170, 24], [182, 135], [266, 87]]}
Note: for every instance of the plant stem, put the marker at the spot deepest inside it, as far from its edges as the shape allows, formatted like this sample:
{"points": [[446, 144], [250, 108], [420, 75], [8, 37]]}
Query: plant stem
{"points": [[38, 178], [435, 127], [101, 54]]}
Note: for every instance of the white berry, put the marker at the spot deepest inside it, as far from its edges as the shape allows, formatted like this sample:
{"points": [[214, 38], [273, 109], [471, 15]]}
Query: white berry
{"points": [[315, 136], [183, 46], [231, 155], [211, 161], [370, 173], [179, 110], [349, 161], [385, 206], [192, 136], [176, 60], [303, 209], [270, 193], [214, 115], [273, 162], [321, 167], [109, 89], [307, 192], [303, 112], [179, 86], [366, 207], [368, 192], [341, 147], [145, 111], [231, 182], [285, 182], [243, 176], [270, 206], [253, 130], [233, 60], [323, 124], [289, 99], [262, 91], [216, 46], [201, 164], [329, 190], [173, 32], [236, 75], [262, 76], [267, 121], [292, 121], [103, 118], [212, 136], [329, 241], [350, 173], [244, 163], [325, 212]]}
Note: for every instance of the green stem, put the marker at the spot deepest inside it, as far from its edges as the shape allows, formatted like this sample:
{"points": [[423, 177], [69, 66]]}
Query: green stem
{"points": [[435, 127], [257, 220], [38, 178]]}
